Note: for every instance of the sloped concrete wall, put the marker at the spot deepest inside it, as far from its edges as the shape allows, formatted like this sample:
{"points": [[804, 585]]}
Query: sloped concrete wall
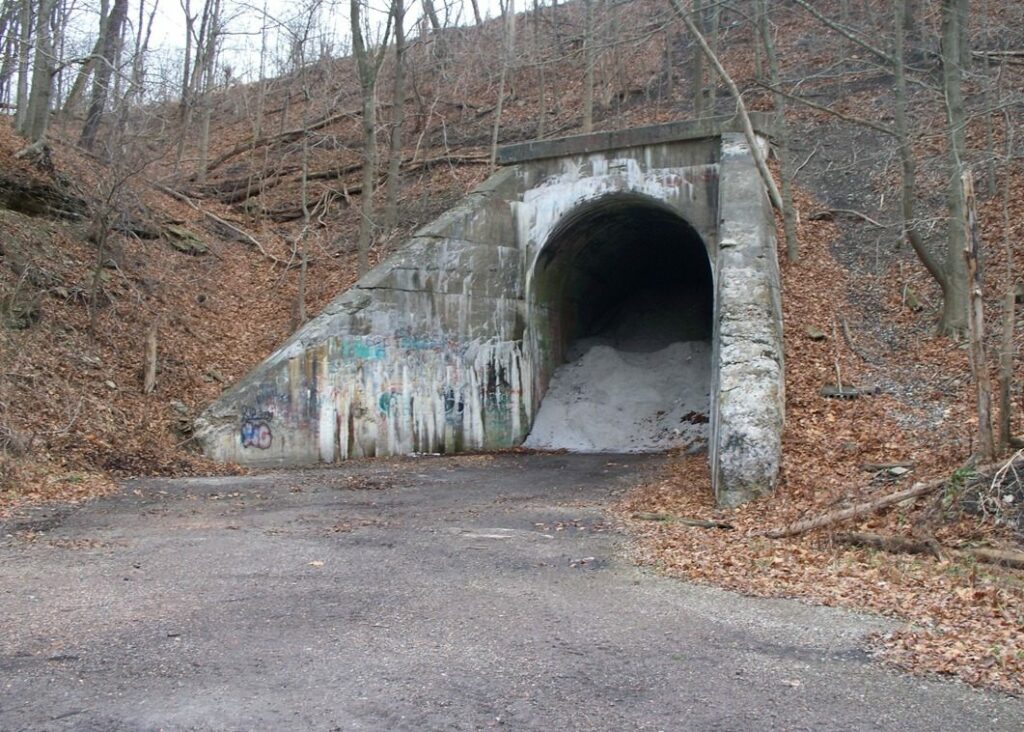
{"points": [[422, 355], [446, 347]]}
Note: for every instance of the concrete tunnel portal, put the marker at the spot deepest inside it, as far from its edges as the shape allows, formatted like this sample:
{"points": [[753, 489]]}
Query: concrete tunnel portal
{"points": [[618, 291], [622, 298]]}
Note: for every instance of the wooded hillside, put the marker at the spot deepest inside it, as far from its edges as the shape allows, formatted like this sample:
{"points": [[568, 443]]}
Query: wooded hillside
{"points": [[167, 218]]}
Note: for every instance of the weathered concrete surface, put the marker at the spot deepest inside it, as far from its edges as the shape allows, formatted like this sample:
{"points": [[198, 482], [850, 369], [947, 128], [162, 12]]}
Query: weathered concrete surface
{"points": [[470, 594], [449, 345], [698, 129], [748, 399]]}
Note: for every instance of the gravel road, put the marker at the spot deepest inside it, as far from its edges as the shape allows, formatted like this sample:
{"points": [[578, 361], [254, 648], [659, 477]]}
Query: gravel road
{"points": [[457, 593]]}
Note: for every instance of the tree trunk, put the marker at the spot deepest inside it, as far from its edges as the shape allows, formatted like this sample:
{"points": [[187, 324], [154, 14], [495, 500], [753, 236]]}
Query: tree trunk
{"points": [[698, 65], [508, 42], [102, 75], [85, 72], [782, 136], [588, 67], [538, 57], [37, 118], [428, 8], [397, 119], [908, 163], [368, 68], [976, 323], [954, 312], [1006, 370], [741, 108], [24, 47], [149, 378]]}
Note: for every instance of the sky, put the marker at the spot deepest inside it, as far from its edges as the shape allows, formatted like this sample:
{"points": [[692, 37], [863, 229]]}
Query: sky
{"points": [[247, 22]]}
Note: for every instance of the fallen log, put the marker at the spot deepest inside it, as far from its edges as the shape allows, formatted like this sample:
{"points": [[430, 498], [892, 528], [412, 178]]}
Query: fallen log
{"points": [[286, 136], [863, 509], [1002, 557], [891, 543], [905, 545]]}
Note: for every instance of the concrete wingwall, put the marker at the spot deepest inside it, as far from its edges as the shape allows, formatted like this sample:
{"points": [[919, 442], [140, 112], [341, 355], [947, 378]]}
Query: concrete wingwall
{"points": [[449, 344]]}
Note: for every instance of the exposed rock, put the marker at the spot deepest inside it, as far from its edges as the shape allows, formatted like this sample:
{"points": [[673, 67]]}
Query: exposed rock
{"points": [[184, 240]]}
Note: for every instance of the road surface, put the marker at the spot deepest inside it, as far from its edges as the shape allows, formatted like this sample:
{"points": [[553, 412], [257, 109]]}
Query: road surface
{"points": [[466, 593]]}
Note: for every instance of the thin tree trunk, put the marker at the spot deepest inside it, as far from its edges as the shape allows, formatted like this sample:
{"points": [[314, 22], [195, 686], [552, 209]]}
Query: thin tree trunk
{"points": [[1006, 370], [588, 67], [205, 80], [368, 67], [476, 12], [714, 14], [149, 379], [508, 16], [741, 108], [976, 324], [398, 118], [698, 66], [782, 136], [542, 117], [908, 163]]}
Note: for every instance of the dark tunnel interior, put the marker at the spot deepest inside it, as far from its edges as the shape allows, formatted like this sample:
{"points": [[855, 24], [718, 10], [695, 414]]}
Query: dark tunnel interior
{"points": [[628, 270]]}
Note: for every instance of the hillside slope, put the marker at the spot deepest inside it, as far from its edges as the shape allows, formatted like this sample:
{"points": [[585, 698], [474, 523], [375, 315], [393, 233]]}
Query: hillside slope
{"points": [[210, 266]]}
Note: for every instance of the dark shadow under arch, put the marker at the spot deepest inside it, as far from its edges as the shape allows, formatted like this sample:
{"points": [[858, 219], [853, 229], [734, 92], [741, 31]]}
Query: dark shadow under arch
{"points": [[613, 264]]}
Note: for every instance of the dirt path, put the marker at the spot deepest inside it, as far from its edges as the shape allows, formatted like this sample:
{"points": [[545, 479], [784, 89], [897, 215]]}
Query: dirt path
{"points": [[455, 594]]}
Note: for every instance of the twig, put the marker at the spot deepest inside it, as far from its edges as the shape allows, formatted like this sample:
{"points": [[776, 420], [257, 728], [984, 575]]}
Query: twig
{"points": [[835, 346], [848, 337], [807, 160]]}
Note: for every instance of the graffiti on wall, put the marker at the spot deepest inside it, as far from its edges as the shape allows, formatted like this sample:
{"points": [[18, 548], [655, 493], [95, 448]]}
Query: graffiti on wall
{"points": [[255, 430]]}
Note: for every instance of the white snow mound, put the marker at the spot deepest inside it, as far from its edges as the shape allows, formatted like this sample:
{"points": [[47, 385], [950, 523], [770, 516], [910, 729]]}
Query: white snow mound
{"points": [[611, 400]]}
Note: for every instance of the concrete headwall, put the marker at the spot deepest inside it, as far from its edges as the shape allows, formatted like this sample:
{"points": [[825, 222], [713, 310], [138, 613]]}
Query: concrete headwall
{"points": [[448, 345], [747, 390]]}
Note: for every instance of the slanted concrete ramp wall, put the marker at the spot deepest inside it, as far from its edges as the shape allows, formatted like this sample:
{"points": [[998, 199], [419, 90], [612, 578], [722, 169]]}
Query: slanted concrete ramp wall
{"points": [[450, 344]]}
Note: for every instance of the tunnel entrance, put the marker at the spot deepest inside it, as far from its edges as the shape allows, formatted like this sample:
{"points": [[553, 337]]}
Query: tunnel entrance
{"points": [[621, 301]]}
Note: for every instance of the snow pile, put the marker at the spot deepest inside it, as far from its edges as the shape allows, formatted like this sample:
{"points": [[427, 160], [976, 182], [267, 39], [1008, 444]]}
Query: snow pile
{"points": [[609, 399]]}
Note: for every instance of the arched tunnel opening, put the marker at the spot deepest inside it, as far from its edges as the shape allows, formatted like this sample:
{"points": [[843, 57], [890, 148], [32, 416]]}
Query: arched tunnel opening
{"points": [[621, 301]]}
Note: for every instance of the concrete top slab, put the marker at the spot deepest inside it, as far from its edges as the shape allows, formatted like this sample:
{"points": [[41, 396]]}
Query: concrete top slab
{"points": [[631, 137]]}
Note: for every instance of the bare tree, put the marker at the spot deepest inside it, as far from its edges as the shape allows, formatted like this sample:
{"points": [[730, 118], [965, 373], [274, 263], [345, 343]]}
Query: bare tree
{"points": [[37, 104], [508, 14], [954, 287], [368, 63], [588, 66], [781, 134], [397, 117], [111, 35]]}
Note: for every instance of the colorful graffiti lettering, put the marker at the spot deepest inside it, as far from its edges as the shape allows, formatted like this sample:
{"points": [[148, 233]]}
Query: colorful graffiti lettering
{"points": [[255, 430], [257, 434]]}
